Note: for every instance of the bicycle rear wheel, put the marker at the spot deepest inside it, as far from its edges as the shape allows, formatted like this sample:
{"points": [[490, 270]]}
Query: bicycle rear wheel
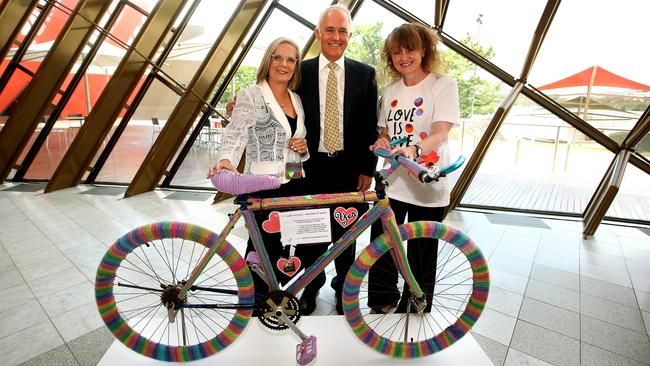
{"points": [[146, 268], [461, 290]]}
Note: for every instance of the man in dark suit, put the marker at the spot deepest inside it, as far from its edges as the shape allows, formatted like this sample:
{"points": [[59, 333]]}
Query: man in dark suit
{"points": [[339, 97]]}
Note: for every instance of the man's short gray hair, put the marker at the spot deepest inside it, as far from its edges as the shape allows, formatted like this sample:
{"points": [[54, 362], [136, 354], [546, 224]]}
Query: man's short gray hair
{"points": [[336, 7]]}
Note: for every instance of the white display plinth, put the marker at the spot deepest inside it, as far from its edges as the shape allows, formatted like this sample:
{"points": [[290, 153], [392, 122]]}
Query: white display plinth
{"points": [[337, 345]]}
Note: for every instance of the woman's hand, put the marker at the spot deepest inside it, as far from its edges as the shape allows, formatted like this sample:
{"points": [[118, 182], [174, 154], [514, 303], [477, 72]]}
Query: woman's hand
{"points": [[382, 142], [410, 152], [222, 164], [298, 145]]}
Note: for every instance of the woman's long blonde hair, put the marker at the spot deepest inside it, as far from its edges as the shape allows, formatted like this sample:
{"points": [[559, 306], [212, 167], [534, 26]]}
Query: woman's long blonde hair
{"points": [[265, 64]]}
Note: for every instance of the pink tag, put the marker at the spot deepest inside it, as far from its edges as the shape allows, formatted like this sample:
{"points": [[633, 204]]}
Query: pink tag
{"points": [[345, 217], [289, 266]]}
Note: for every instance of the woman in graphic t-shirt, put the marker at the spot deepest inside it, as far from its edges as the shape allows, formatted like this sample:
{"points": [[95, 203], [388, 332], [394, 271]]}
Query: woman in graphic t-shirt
{"points": [[419, 107]]}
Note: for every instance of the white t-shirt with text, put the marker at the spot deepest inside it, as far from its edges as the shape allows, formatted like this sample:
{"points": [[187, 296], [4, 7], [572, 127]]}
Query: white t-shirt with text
{"points": [[409, 112]]}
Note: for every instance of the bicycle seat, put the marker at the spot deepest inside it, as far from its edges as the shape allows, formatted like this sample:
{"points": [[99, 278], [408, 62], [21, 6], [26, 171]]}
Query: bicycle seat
{"points": [[237, 184]]}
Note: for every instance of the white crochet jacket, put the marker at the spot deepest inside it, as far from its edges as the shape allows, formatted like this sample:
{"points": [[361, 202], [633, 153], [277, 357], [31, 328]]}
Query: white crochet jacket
{"points": [[259, 125]]}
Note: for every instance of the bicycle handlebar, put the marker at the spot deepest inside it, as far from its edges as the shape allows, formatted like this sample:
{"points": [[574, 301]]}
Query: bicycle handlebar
{"points": [[237, 184], [424, 175]]}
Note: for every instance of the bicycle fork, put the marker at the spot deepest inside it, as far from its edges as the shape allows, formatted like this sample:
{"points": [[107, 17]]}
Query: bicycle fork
{"points": [[398, 253]]}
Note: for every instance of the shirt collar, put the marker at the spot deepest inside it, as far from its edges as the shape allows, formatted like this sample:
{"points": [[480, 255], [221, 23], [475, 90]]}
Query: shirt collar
{"points": [[323, 62]]}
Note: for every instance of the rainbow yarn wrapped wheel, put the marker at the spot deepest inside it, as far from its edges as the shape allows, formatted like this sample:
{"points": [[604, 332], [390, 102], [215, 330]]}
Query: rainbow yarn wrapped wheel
{"points": [[146, 267], [461, 289]]}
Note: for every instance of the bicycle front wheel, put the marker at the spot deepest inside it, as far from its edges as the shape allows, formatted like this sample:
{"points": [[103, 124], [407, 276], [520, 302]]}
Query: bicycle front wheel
{"points": [[459, 295], [146, 268]]}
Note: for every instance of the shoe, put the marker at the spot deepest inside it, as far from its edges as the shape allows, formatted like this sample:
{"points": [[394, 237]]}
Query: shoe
{"points": [[308, 304], [339, 306], [383, 309], [401, 307], [334, 282]]}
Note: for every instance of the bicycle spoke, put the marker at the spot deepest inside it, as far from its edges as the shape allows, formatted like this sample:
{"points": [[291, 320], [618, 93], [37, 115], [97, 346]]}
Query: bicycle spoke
{"points": [[445, 275]]}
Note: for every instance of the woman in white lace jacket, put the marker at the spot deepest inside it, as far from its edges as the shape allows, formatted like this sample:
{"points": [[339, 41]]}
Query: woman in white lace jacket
{"points": [[268, 120]]}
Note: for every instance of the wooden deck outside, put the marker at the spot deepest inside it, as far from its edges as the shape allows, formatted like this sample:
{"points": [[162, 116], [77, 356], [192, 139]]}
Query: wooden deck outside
{"points": [[549, 195]]}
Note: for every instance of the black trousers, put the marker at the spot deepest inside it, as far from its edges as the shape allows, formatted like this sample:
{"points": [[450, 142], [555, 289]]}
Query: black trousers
{"points": [[421, 253], [310, 253], [271, 240], [325, 174]]}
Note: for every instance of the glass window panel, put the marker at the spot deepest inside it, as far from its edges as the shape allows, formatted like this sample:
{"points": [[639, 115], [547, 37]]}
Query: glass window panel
{"points": [[643, 147], [35, 53], [310, 10], [25, 29], [55, 21], [368, 35], [126, 27], [480, 94], [14, 87], [633, 198], [278, 25], [424, 10], [52, 151], [538, 162], [139, 134], [577, 41], [507, 26], [146, 5], [193, 170], [203, 151]]}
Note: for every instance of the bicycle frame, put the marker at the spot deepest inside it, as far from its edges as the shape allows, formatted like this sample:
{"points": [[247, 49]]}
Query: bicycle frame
{"points": [[380, 211]]}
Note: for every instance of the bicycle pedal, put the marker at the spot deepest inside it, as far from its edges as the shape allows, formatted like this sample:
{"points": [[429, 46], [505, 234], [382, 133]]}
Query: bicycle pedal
{"points": [[306, 351], [253, 259]]}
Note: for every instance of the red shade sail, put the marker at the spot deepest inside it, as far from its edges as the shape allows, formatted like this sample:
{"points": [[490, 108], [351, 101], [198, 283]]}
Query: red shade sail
{"points": [[601, 77]]}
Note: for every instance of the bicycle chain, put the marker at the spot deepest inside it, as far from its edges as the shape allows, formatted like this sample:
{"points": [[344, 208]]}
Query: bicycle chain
{"points": [[266, 309]]}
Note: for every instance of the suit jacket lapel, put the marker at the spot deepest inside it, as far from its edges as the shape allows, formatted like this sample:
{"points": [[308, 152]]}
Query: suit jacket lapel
{"points": [[347, 107], [315, 95]]}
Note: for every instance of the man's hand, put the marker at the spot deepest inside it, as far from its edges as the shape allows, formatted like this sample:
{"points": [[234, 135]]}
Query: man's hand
{"points": [[364, 182], [230, 106]]}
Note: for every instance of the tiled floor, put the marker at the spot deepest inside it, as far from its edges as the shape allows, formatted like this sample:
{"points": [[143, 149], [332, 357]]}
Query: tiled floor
{"points": [[555, 298]]}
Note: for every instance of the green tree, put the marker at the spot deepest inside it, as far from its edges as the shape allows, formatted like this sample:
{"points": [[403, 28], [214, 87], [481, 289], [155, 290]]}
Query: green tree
{"points": [[477, 96], [244, 77], [365, 46]]}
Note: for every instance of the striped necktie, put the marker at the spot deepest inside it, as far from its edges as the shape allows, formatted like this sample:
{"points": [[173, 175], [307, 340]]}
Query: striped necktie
{"points": [[332, 135]]}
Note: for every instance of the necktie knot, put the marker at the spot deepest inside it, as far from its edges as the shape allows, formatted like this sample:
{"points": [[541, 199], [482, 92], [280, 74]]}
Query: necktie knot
{"points": [[332, 66]]}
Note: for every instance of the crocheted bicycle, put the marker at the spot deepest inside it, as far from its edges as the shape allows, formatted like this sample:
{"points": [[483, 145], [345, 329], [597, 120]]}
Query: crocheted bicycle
{"points": [[174, 291]]}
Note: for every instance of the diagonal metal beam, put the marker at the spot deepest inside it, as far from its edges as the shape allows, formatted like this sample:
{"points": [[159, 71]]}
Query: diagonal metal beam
{"points": [[139, 96], [22, 49], [538, 37], [32, 104], [65, 98], [441, 13], [191, 103], [474, 162], [203, 120], [604, 196], [13, 14], [639, 131], [115, 95]]}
